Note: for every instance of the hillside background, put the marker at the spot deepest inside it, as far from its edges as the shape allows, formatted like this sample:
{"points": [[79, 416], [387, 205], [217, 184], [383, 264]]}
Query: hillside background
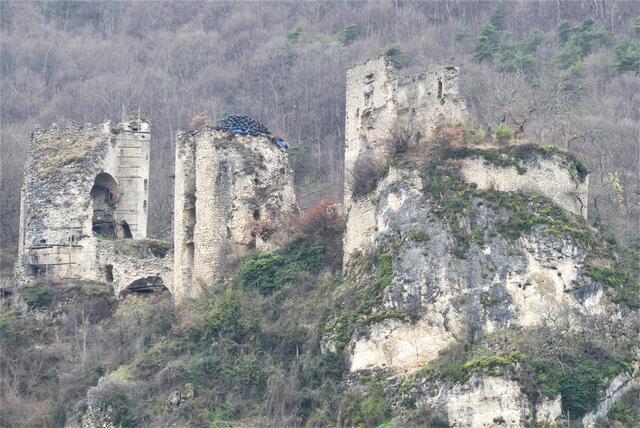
{"points": [[562, 73]]}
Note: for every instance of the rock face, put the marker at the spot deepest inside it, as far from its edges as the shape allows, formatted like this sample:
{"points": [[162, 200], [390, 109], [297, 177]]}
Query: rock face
{"points": [[86, 188], [449, 292], [233, 193], [552, 176]]}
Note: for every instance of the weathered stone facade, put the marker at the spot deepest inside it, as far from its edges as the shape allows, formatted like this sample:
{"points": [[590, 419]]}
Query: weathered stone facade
{"points": [[233, 193], [85, 188], [379, 102]]}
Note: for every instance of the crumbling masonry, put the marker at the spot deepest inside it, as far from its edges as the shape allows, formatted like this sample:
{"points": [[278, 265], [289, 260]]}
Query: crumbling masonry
{"points": [[233, 193], [381, 106], [379, 102], [85, 191], [86, 188]]}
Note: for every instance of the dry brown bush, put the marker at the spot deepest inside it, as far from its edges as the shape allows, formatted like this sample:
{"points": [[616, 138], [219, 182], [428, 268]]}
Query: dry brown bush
{"points": [[322, 219]]}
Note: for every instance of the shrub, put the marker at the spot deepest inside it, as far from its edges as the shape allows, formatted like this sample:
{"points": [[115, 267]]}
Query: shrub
{"points": [[37, 297], [368, 411], [294, 35], [268, 272], [322, 219], [367, 171], [225, 318], [396, 56], [504, 133], [627, 410]]}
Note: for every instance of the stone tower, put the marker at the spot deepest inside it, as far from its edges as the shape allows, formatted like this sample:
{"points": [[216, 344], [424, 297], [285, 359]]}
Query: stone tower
{"points": [[378, 101], [233, 193], [84, 187]]}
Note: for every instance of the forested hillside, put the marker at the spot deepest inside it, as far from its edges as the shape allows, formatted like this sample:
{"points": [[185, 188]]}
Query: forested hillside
{"points": [[562, 73]]}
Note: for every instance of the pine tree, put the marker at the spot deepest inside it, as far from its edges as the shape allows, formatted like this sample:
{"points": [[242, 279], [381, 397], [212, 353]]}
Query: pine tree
{"points": [[488, 43]]}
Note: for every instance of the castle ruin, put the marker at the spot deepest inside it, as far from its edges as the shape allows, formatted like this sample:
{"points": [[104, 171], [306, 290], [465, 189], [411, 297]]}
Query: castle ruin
{"points": [[379, 102], [85, 189], [383, 107], [233, 193]]}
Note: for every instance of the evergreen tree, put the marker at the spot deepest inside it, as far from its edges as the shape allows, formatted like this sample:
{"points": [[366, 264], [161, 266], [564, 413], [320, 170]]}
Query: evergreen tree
{"points": [[564, 31], [583, 41], [628, 56], [488, 43], [397, 56], [349, 34], [497, 16]]}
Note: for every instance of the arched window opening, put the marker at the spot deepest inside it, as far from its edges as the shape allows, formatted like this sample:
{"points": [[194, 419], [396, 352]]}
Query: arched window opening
{"points": [[108, 273], [439, 88], [146, 285], [126, 230], [146, 184], [104, 195]]}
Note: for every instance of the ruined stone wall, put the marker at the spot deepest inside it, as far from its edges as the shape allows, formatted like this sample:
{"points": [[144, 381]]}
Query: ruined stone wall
{"points": [[123, 262], [56, 207], [239, 191], [132, 174], [379, 104], [184, 217], [59, 201]]}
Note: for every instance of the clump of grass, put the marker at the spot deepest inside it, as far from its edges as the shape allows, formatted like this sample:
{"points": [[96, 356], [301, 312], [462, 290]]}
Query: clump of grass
{"points": [[64, 149]]}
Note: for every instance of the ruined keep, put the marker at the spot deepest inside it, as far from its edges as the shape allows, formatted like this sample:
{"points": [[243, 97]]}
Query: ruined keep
{"points": [[383, 108], [380, 103], [233, 193], [85, 190]]}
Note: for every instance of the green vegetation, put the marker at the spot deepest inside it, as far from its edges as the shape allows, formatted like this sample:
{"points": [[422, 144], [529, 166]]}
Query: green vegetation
{"points": [[269, 272], [294, 35], [578, 369], [366, 296], [488, 44], [622, 274], [504, 133], [370, 409], [419, 236], [458, 371], [578, 42], [396, 56], [515, 214], [581, 380], [37, 297], [349, 34], [627, 410], [520, 55], [628, 56]]}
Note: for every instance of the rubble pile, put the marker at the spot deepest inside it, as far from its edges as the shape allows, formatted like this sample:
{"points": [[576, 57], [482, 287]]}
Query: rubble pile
{"points": [[243, 125]]}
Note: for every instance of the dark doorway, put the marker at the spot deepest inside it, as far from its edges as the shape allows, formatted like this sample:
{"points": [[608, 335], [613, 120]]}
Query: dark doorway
{"points": [[104, 195]]}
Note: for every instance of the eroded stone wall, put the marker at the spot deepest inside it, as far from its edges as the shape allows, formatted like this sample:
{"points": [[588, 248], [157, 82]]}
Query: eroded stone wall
{"points": [[380, 105], [85, 189], [234, 193]]}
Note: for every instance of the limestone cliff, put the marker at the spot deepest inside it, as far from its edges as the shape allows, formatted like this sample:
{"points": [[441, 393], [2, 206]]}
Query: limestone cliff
{"points": [[460, 250]]}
